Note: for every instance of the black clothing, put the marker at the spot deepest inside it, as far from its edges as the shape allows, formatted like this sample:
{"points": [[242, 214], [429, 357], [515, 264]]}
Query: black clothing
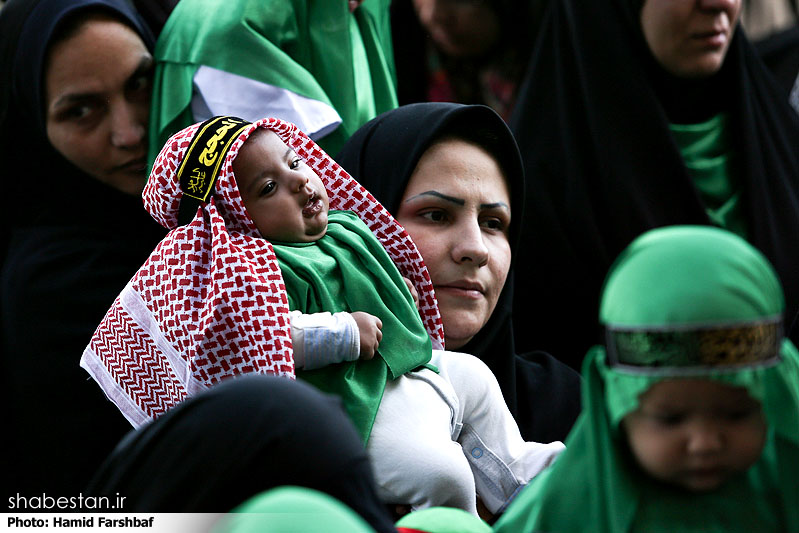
{"points": [[780, 53], [602, 167], [246, 435], [70, 244], [420, 65], [542, 393]]}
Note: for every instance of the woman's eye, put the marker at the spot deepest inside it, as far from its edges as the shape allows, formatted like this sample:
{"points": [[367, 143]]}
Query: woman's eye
{"points": [[435, 216], [76, 113], [493, 224], [140, 83], [268, 188]]}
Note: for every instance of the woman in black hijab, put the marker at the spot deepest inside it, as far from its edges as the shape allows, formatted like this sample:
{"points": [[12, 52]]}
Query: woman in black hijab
{"points": [[542, 393], [602, 122], [74, 92]]}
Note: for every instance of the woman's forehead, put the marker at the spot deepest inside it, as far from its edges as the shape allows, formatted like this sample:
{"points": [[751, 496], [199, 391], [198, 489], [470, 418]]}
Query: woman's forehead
{"points": [[459, 169]]}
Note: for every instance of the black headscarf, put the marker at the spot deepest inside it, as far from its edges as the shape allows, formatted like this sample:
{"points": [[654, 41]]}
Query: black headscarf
{"points": [[602, 166], [382, 155], [413, 47], [70, 243]]}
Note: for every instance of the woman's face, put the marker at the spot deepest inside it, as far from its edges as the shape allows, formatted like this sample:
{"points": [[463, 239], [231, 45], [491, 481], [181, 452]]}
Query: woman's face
{"points": [[690, 38], [456, 209], [98, 83], [460, 28]]}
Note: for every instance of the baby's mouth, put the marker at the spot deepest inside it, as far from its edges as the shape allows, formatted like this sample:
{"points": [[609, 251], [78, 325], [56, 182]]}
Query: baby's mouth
{"points": [[312, 206]]}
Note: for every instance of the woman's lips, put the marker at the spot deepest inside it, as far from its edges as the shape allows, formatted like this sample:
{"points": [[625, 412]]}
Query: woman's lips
{"points": [[134, 165], [461, 290], [715, 38]]}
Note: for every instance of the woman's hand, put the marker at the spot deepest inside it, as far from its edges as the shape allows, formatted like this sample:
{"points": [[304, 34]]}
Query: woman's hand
{"points": [[369, 327]]}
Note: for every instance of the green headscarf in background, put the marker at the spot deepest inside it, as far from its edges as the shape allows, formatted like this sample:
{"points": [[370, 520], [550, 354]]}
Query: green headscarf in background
{"points": [[293, 510], [683, 301], [290, 509], [315, 49]]}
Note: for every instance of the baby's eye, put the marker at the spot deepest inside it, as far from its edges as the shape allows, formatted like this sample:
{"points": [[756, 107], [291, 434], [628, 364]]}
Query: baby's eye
{"points": [[268, 188], [295, 163], [737, 415], [668, 419]]}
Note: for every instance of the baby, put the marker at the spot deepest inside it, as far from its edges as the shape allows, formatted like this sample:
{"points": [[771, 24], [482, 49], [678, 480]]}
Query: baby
{"points": [[331, 262], [259, 275], [692, 415]]}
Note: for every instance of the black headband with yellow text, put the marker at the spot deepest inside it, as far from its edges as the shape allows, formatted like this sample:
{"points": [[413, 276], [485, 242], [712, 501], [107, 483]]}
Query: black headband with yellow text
{"points": [[201, 165], [667, 349]]}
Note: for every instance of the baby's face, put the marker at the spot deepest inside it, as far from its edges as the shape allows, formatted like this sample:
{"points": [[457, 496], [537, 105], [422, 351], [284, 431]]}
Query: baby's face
{"points": [[284, 197], [695, 433]]}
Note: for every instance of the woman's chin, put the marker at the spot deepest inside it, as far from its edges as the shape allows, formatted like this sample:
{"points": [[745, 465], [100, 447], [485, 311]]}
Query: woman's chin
{"points": [[459, 330]]}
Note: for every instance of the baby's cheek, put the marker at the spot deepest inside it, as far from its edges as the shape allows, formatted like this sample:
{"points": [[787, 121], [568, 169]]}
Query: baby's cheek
{"points": [[752, 446]]}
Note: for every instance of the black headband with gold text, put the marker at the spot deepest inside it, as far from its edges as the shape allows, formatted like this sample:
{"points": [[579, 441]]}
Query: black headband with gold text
{"points": [[749, 343], [201, 165]]}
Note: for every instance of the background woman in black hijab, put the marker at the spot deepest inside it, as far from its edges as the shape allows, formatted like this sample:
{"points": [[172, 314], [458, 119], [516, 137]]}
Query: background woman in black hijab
{"points": [[382, 155], [602, 165], [472, 52], [74, 232]]}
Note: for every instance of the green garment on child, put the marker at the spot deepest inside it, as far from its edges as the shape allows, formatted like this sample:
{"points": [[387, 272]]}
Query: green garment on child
{"points": [[349, 270], [684, 279]]}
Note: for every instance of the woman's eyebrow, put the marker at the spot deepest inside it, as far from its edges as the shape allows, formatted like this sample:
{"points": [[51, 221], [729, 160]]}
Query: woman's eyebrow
{"points": [[495, 205], [457, 201], [73, 98], [145, 64]]}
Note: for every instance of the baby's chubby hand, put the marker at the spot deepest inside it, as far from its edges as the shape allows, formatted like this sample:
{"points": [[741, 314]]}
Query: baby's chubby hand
{"points": [[369, 327], [414, 294]]}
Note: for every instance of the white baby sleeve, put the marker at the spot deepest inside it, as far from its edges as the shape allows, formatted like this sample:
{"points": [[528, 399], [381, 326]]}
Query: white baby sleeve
{"points": [[321, 339]]}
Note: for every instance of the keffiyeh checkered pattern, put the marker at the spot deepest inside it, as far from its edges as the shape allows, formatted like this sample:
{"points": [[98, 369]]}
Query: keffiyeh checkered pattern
{"points": [[210, 302]]}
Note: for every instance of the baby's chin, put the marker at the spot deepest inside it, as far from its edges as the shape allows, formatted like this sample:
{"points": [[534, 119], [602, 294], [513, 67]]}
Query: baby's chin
{"points": [[317, 230], [702, 482]]}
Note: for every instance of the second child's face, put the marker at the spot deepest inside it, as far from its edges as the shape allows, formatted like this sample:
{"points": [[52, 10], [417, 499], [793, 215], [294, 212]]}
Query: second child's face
{"points": [[695, 433], [284, 197]]}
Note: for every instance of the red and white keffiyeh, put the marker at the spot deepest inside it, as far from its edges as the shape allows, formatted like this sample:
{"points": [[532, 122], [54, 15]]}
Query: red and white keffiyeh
{"points": [[210, 302]]}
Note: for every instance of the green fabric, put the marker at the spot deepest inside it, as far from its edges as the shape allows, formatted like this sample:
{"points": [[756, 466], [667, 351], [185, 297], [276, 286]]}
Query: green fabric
{"points": [[300, 45], [349, 270], [725, 279], [705, 150], [595, 486], [443, 520], [292, 510]]}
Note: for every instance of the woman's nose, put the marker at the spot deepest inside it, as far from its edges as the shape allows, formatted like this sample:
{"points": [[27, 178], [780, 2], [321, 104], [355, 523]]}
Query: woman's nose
{"points": [[469, 245], [127, 128], [719, 5]]}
